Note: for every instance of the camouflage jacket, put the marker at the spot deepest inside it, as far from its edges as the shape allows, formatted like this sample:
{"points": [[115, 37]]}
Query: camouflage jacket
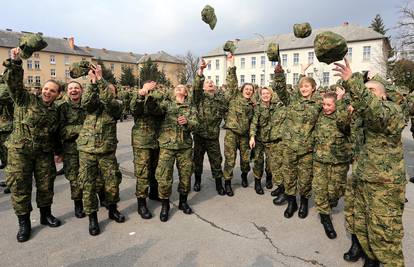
{"points": [[267, 121], [147, 120], [6, 110], [72, 116], [98, 134], [173, 135], [35, 124], [381, 157], [240, 110], [301, 117], [332, 132]]}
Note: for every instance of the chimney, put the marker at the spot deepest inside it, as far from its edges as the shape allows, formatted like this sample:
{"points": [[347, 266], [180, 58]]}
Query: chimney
{"points": [[88, 48], [346, 23], [72, 42], [104, 49], [9, 30]]}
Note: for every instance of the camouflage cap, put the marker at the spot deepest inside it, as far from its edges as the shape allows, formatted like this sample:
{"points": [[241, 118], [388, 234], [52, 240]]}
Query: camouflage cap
{"points": [[302, 30], [229, 46], [273, 52], [31, 43], [208, 16], [330, 47], [79, 69]]}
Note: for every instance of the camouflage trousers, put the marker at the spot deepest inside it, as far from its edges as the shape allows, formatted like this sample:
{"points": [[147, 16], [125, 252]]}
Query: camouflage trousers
{"points": [[378, 221], [71, 166], [145, 164], [275, 162], [328, 184], [349, 200], [165, 169], [91, 167], [232, 142], [261, 155], [212, 148], [3, 148], [297, 173], [21, 167]]}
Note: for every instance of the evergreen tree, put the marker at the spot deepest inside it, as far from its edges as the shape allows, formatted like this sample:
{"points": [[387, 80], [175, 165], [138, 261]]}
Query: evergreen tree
{"points": [[106, 73], [127, 77], [377, 25], [149, 71]]}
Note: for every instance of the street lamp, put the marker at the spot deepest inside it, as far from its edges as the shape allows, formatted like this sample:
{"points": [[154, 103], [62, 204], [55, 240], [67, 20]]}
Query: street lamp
{"points": [[264, 54]]}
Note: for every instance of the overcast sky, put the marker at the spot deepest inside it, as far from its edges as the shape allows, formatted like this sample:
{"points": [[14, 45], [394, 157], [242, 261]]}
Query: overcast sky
{"points": [[175, 26]]}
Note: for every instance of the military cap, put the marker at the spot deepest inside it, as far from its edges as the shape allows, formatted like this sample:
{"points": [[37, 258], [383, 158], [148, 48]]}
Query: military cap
{"points": [[330, 47], [31, 43], [273, 52], [229, 46], [79, 69], [208, 16], [302, 30]]}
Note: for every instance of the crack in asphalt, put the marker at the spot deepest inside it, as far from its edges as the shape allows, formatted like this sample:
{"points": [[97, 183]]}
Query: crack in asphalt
{"points": [[264, 231]]}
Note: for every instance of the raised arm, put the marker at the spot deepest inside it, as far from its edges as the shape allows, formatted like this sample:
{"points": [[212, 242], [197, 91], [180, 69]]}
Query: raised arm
{"points": [[279, 85], [198, 83]]}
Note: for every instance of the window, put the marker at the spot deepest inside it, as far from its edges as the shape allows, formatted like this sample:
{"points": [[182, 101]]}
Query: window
{"points": [[37, 80], [67, 73], [262, 62], [67, 60], [242, 63], [209, 66], [262, 79], [367, 53], [52, 60], [325, 78], [53, 72], [310, 74], [112, 66], [295, 78], [253, 79], [36, 55], [241, 79], [29, 65], [217, 64], [253, 62], [37, 64], [350, 53], [295, 58], [273, 63], [310, 57], [29, 79], [217, 80], [209, 77], [284, 60]]}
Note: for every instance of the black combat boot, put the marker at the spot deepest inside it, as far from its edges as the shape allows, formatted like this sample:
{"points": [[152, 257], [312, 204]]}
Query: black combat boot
{"points": [[244, 179], [79, 209], [197, 182], [292, 206], [60, 172], [114, 214], [165, 209], [303, 209], [153, 193], [6, 190], [355, 251], [102, 199], [93, 224], [279, 190], [370, 262], [269, 181], [328, 226], [258, 187], [219, 187], [280, 199], [183, 205], [142, 208], [227, 188], [46, 217], [23, 234]]}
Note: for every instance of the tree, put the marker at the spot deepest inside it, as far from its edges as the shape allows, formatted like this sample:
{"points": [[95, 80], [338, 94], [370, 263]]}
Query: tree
{"points": [[403, 73], [406, 26], [378, 25], [127, 77], [106, 73], [186, 75], [149, 71]]}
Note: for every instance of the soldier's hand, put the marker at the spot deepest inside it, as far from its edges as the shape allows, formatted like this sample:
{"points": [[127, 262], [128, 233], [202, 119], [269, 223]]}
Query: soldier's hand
{"points": [[350, 109], [230, 59], [252, 143], [344, 71], [203, 64], [149, 86], [340, 92], [279, 69], [98, 72], [182, 120], [15, 53]]}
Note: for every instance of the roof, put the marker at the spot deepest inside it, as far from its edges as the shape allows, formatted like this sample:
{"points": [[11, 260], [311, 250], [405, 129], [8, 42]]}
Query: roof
{"points": [[161, 56], [55, 45], [110, 55], [288, 41]]}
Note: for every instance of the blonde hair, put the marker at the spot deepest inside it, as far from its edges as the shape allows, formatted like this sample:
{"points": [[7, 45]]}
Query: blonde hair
{"points": [[266, 88], [307, 79]]}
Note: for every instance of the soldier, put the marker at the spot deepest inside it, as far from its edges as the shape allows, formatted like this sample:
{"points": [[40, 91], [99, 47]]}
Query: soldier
{"points": [[72, 116], [97, 143], [147, 118], [31, 147], [331, 156], [175, 145], [237, 125], [211, 107], [302, 112], [380, 189]]}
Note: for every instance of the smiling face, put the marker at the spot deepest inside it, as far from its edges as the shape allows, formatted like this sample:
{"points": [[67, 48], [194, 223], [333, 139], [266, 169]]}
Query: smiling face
{"points": [[306, 89], [209, 86], [266, 95], [247, 91], [180, 91], [50, 92], [328, 105], [75, 91]]}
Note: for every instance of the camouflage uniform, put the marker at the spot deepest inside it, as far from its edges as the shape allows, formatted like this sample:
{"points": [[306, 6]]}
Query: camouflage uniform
{"points": [[31, 145], [380, 189], [238, 119], [97, 144], [6, 120], [301, 117], [331, 156], [147, 118], [175, 145]]}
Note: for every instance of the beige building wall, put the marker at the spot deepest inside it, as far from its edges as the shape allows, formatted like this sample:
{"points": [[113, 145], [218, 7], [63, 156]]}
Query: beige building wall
{"points": [[116, 67]]}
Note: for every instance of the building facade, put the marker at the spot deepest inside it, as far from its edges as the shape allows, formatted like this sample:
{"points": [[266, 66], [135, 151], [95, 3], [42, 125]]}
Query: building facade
{"points": [[367, 50]]}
